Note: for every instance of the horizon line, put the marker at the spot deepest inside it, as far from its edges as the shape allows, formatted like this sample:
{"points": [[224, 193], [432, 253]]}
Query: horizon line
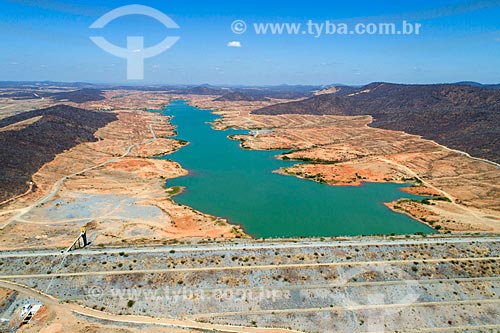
{"points": [[222, 85]]}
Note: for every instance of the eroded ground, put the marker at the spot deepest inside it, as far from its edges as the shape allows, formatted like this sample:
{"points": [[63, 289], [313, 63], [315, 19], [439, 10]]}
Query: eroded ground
{"points": [[341, 150], [113, 186], [117, 190]]}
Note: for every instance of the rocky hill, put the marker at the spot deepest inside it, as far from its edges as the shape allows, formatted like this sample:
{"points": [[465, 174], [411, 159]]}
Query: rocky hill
{"points": [[78, 96], [31, 139], [459, 116], [34, 92]]}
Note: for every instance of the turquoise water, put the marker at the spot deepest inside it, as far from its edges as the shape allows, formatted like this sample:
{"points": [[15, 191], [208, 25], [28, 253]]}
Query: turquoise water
{"points": [[227, 181]]}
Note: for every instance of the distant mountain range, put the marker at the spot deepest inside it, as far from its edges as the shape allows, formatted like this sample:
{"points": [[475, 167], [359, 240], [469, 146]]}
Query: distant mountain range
{"points": [[82, 92], [462, 116], [238, 96], [479, 85]]}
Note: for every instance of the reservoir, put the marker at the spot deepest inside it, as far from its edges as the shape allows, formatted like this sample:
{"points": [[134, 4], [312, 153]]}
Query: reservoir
{"points": [[227, 181]]}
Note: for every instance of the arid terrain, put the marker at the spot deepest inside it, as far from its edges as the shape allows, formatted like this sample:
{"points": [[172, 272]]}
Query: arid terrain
{"points": [[463, 117], [344, 150], [419, 284], [157, 266], [114, 186]]}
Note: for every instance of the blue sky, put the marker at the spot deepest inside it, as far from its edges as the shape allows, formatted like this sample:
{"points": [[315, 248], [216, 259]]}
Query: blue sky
{"points": [[459, 40]]}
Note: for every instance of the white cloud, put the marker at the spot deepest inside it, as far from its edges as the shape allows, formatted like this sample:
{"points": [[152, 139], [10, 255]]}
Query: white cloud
{"points": [[234, 43]]}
